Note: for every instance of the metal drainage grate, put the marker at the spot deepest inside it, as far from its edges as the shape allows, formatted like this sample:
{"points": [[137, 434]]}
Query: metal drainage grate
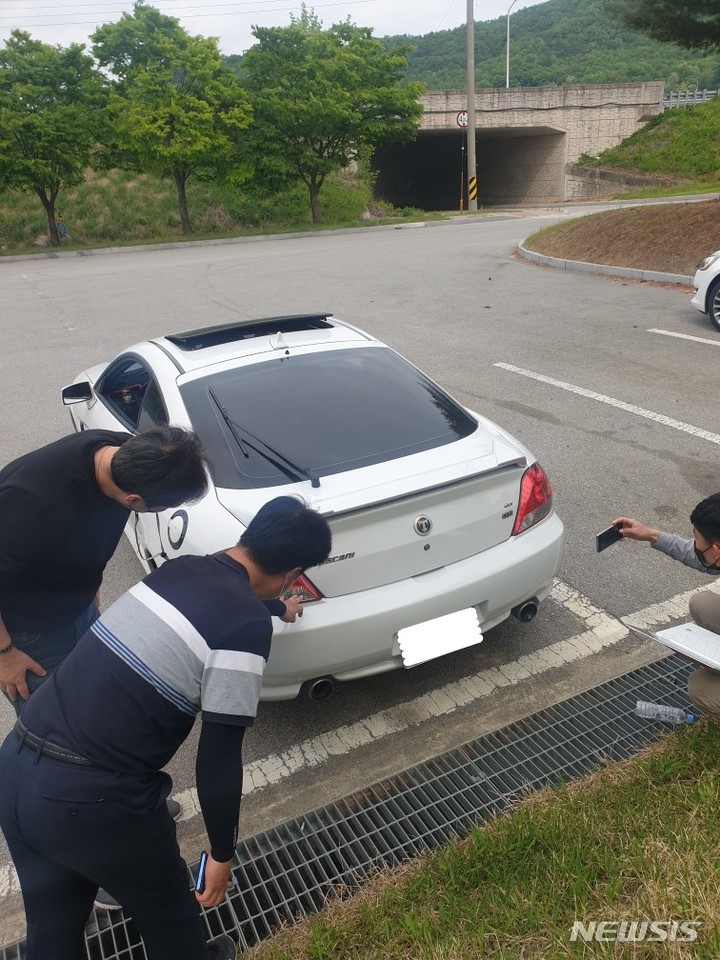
{"points": [[292, 870]]}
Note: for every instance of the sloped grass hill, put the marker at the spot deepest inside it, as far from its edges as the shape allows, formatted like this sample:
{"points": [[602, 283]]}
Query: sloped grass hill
{"points": [[683, 142]]}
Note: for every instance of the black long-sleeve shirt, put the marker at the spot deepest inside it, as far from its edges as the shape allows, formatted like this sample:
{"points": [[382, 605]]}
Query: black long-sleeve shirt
{"points": [[58, 531]]}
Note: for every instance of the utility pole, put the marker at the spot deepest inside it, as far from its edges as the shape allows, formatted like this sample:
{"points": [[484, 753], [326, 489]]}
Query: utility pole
{"points": [[472, 166], [507, 46]]}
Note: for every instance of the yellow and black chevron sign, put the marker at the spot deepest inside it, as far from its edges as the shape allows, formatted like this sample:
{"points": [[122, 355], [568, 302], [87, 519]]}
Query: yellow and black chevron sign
{"points": [[472, 188]]}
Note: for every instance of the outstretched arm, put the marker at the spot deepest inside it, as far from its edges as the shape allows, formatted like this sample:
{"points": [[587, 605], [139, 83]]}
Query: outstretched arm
{"points": [[673, 546], [287, 610], [19, 512], [219, 779]]}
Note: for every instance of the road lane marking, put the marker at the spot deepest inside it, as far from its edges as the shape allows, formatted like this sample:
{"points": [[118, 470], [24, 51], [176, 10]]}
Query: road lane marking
{"points": [[685, 336], [613, 402], [602, 631], [676, 608]]}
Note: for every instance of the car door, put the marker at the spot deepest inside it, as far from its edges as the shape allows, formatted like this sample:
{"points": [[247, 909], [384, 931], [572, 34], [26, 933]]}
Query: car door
{"points": [[131, 395], [152, 527]]}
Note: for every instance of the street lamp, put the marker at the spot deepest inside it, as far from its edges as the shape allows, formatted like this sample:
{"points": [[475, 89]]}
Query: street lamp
{"points": [[507, 46]]}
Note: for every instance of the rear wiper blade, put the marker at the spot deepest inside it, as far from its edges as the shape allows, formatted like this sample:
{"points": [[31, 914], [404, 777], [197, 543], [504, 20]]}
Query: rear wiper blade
{"points": [[226, 417], [279, 460]]}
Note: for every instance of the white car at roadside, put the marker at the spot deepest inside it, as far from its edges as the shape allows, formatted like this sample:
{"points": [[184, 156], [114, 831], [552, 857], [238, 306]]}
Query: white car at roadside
{"points": [[434, 509], [707, 288]]}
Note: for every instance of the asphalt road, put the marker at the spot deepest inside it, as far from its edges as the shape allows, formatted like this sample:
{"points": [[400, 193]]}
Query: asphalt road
{"points": [[622, 418]]}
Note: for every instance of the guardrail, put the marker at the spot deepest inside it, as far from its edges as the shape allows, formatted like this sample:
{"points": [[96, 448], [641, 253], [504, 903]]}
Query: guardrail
{"points": [[688, 98]]}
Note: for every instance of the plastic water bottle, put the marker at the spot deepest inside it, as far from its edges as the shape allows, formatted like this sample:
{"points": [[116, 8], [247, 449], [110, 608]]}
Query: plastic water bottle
{"points": [[660, 711]]}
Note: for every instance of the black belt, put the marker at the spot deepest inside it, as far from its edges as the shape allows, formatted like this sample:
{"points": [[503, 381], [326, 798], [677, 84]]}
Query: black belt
{"points": [[31, 741]]}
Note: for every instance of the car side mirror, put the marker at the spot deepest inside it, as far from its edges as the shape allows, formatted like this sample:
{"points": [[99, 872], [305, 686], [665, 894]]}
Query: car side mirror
{"points": [[76, 393]]}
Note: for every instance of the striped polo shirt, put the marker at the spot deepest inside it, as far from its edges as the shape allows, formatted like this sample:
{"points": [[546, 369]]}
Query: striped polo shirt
{"points": [[189, 639]]}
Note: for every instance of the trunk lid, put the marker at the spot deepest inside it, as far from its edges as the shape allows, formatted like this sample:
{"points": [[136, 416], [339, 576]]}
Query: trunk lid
{"points": [[408, 516]]}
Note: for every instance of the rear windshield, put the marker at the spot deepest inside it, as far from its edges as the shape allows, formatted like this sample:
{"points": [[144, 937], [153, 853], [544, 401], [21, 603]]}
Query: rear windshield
{"points": [[325, 412]]}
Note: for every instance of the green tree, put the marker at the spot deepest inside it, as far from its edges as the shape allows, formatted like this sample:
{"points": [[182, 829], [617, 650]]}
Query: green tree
{"points": [[50, 118], [138, 39], [692, 24], [176, 110], [321, 96]]}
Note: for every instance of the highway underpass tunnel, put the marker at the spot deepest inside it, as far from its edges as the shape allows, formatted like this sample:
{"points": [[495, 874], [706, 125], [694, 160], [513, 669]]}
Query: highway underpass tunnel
{"points": [[514, 165]]}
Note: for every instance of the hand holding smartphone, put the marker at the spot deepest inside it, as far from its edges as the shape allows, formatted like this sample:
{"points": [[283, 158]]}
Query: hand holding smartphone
{"points": [[200, 881], [608, 537], [212, 881]]}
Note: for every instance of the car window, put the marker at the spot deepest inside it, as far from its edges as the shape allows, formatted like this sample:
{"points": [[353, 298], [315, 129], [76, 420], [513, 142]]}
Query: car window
{"points": [[153, 412], [324, 412], [123, 388]]}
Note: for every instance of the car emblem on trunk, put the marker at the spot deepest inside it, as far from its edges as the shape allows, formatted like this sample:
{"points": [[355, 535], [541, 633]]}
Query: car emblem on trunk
{"points": [[422, 525]]}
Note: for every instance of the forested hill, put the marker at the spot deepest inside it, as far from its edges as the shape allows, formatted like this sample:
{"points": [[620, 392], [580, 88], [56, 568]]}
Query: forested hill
{"points": [[556, 42]]}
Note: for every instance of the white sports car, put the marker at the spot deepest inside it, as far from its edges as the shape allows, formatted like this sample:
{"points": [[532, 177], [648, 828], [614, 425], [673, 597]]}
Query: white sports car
{"points": [[442, 523]]}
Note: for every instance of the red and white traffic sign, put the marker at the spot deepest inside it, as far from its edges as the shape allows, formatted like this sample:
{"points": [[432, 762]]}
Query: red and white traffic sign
{"points": [[461, 118]]}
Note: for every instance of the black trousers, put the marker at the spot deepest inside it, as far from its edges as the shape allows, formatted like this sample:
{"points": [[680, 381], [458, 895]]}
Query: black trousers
{"points": [[72, 829]]}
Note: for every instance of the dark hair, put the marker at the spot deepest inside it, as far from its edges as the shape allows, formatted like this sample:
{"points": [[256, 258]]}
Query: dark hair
{"points": [[706, 518], [285, 533], [165, 466]]}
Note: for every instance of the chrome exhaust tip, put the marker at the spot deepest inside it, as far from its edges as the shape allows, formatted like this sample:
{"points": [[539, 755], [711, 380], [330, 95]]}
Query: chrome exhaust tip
{"points": [[321, 689], [525, 612]]}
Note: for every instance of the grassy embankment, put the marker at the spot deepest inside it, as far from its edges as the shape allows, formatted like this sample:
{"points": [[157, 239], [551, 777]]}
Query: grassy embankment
{"points": [[682, 144], [636, 841], [669, 237], [679, 143], [117, 207]]}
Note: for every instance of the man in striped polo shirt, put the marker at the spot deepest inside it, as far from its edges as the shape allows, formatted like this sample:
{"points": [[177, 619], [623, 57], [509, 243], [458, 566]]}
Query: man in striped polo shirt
{"points": [[82, 792]]}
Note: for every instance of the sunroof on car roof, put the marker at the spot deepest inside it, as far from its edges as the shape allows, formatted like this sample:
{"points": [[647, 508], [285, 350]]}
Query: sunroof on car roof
{"points": [[246, 329]]}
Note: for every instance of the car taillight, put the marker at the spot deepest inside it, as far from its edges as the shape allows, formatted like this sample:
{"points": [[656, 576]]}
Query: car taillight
{"points": [[304, 589], [535, 499]]}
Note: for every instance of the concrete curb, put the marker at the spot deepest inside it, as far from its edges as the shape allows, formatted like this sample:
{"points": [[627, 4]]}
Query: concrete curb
{"points": [[603, 269]]}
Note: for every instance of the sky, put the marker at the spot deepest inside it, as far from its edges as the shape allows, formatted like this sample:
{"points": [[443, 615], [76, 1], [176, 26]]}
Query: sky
{"points": [[63, 22]]}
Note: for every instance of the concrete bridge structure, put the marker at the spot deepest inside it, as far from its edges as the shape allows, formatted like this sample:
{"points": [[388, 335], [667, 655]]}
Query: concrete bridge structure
{"points": [[527, 139]]}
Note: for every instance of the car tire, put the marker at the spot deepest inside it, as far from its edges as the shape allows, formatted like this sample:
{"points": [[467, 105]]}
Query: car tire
{"points": [[713, 304]]}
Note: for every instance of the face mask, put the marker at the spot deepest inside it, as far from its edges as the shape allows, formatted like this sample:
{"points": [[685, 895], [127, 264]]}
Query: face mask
{"points": [[700, 554]]}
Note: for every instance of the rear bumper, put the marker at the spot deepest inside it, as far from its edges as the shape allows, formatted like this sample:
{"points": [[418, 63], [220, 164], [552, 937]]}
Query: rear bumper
{"points": [[355, 635]]}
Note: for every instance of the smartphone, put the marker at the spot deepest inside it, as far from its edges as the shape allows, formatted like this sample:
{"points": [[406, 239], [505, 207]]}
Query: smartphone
{"points": [[608, 537], [200, 881]]}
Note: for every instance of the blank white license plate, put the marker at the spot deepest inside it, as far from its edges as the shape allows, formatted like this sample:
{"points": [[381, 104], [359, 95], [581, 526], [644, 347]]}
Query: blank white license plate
{"points": [[435, 638]]}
